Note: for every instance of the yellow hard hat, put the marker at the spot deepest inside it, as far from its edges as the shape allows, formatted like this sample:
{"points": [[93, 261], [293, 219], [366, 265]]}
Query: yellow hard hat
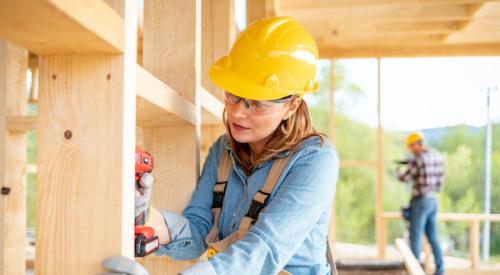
{"points": [[414, 137], [271, 59]]}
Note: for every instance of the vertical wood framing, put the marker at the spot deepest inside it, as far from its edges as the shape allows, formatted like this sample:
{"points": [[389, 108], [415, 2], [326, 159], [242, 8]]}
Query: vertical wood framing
{"points": [[13, 159], [85, 193], [218, 34], [379, 173], [256, 9], [474, 244], [331, 135], [172, 41]]}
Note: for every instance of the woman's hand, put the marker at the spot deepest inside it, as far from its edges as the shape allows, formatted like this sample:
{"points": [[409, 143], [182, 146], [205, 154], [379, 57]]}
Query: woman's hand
{"points": [[123, 266]]}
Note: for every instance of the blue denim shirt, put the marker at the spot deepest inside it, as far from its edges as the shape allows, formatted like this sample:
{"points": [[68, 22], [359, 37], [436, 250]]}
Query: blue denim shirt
{"points": [[290, 232]]}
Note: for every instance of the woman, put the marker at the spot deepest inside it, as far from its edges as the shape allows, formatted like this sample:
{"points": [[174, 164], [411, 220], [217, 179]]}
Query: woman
{"points": [[262, 204]]}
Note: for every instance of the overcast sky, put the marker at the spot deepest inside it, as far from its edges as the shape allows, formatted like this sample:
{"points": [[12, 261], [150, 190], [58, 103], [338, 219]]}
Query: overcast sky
{"points": [[422, 93]]}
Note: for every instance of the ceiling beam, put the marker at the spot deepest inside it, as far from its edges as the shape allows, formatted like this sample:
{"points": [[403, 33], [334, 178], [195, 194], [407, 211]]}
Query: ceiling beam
{"points": [[417, 51], [372, 15], [306, 4], [62, 26]]}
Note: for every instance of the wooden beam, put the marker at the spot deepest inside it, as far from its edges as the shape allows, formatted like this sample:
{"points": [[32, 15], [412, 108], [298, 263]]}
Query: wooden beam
{"points": [[158, 105], [378, 14], [384, 40], [86, 140], [13, 160], [272, 8], [211, 108], [304, 4], [62, 26], [384, 29], [411, 263], [172, 41], [218, 34], [412, 51], [380, 231], [21, 124], [256, 9]]}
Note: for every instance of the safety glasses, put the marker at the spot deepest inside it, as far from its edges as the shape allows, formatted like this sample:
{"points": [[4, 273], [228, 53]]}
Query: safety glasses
{"points": [[256, 107]]}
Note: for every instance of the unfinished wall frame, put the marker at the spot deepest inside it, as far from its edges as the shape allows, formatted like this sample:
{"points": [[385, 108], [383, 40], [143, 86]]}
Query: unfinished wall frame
{"points": [[13, 158]]}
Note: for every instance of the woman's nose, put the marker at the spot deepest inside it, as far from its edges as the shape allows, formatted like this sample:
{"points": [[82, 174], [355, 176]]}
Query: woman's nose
{"points": [[239, 109]]}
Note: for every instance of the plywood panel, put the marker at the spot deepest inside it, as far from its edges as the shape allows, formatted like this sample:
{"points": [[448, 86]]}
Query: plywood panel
{"points": [[86, 140], [13, 159]]}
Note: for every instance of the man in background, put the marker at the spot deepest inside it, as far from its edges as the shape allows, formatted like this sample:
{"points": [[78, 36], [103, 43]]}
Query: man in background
{"points": [[426, 171]]}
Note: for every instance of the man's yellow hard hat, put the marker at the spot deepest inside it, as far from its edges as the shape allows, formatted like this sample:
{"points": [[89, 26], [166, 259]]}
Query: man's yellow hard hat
{"points": [[271, 59], [414, 137]]}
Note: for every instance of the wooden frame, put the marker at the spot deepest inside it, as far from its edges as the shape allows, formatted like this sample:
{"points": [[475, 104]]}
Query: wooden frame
{"points": [[13, 159]]}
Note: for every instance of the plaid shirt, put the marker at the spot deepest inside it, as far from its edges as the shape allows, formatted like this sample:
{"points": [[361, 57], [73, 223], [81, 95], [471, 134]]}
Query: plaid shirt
{"points": [[426, 170]]}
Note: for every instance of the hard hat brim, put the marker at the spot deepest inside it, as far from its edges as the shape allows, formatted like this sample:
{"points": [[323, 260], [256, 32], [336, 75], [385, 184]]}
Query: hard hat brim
{"points": [[243, 87]]}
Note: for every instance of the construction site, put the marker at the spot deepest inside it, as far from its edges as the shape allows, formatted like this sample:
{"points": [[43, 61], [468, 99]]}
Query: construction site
{"points": [[83, 83]]}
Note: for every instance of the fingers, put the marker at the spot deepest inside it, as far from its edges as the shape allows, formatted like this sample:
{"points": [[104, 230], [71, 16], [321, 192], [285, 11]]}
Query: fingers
{"points": [[146, 181], [124, 265]]}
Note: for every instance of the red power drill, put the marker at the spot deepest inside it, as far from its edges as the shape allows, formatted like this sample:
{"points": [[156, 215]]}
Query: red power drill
{"points": [[145, 240]]}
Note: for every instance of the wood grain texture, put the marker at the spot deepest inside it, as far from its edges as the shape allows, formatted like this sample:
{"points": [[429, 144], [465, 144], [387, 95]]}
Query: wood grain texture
{"points": [[13, 159], [62, 26], [172, 41], [86, 140]]}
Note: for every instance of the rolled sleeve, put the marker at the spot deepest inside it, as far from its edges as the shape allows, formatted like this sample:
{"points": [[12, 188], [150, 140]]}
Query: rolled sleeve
{"points": [[188, 231]]}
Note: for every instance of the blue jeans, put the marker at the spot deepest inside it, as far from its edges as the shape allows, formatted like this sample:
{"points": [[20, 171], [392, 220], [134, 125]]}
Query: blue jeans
{"points": [[423, 217]]}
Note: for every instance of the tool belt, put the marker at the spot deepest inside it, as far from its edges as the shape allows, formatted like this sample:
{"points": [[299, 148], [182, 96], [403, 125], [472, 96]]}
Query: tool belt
{"points": [[259, 202]]}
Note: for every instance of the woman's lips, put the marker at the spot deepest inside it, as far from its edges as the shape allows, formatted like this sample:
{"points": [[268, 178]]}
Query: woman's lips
{"points": [[238, 127]]}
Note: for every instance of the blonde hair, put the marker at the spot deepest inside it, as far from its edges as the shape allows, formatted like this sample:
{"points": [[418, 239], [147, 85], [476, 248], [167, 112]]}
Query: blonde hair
{"points": [[287, 137]]}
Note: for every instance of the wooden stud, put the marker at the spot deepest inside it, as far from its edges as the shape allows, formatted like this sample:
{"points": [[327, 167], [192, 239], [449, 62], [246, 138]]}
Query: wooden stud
{"points": [[172, 41], [218, 34], [21, 124], [13, 160], [331, 135], [158, 105], [379, 195], [86, 140], [62, 26], [474, 244], [256, 9]]}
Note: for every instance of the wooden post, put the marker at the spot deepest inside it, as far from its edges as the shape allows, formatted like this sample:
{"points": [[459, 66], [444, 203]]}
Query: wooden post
{"points": [[331, 135], [383, 237], [256, 9], [86, 136], [218, 34], [172, 41], [13, 160], [379, 174], [474, 244]]}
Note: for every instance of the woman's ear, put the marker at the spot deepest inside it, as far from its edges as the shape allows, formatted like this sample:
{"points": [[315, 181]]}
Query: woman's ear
{"points": [[292, 107]]}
